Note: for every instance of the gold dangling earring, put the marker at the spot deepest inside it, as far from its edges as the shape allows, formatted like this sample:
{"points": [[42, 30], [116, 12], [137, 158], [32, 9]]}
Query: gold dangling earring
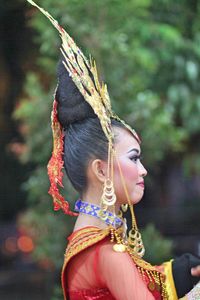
{"points": [[108, 198], [124, 207]]}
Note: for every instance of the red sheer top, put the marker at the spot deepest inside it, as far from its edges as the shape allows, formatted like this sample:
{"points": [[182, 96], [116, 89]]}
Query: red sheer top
{"points": [[98, 272]]}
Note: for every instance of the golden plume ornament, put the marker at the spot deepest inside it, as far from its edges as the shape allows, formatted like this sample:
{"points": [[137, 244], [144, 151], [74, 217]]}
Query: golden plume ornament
{"points": [[79, 67]]}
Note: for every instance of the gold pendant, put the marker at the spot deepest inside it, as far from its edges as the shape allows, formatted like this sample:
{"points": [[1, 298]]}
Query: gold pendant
{"points": [[135, 242], [119, 248], [151, 286], [124, 207]]}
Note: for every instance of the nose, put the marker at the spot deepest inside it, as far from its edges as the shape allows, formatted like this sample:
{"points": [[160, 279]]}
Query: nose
{"points": [[142, 170]]}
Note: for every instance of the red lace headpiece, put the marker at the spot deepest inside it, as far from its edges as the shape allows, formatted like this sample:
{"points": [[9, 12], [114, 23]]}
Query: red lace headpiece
{"points": [[56, 163]]}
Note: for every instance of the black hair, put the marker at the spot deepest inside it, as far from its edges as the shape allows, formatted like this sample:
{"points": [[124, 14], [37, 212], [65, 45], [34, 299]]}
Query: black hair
{"points": [[84, 138]]}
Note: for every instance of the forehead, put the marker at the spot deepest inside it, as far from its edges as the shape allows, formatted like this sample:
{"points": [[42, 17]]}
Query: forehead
{"points": [[124, 140]]}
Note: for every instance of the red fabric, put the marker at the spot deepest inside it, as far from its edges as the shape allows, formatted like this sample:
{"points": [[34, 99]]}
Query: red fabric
{"points": [[100, 273], [92, 294]]}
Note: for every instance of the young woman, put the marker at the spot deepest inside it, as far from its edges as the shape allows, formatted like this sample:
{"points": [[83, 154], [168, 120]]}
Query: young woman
{"points": [[93, 266], [102, 160]]}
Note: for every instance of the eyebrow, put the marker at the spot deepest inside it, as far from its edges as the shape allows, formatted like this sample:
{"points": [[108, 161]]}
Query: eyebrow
{"points": [[134, 149]]}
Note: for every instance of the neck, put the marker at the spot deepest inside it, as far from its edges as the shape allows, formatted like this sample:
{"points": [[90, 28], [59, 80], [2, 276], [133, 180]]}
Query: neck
{"points": [[86, 220], [93, 196]]}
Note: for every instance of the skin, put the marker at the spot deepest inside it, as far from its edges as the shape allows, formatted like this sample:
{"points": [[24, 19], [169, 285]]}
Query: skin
{"points": [[128, 154], [196, 271]]}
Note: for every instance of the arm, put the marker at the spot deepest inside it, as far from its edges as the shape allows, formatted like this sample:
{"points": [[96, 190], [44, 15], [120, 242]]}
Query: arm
{"points": [[183, 278], [194, 294], [179, 277], [121, 276]]}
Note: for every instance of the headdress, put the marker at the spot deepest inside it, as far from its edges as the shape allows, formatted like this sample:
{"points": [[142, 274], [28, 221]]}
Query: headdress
{"points": [[84, 74]]}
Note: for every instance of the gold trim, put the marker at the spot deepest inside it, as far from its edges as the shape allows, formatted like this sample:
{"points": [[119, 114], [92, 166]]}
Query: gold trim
{"points": [[170, 286]]}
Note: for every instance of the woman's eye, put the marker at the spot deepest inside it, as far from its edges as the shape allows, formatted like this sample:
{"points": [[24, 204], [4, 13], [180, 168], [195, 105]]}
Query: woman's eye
{"points": [[135, 158]]}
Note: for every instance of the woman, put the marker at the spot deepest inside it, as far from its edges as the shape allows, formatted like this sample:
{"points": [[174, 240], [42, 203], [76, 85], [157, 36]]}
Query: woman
{"points": [[93, 267], [102, 160]]}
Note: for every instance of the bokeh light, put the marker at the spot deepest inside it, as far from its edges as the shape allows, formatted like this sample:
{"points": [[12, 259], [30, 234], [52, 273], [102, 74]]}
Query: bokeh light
{"points": [[25, 244], [11, 245]]}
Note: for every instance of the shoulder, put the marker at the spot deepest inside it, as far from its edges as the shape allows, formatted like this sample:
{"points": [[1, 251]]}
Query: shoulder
{"points": [[83, 239], [121, 275], [116, 260]]}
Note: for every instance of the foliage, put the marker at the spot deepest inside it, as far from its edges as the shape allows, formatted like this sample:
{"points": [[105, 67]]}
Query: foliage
{"points": [[148, 53], [57, 294], [157, 248], [155, 59]]}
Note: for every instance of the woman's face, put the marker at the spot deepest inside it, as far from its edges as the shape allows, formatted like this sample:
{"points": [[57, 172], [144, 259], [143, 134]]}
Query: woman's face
{"points": [[128, 155]]}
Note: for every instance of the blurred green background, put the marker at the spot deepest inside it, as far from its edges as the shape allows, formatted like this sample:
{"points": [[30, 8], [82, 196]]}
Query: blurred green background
{"points": [[148, 52]]}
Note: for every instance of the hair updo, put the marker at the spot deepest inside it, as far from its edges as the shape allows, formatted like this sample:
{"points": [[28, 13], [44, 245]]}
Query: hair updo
{"points": [[84, 138]]}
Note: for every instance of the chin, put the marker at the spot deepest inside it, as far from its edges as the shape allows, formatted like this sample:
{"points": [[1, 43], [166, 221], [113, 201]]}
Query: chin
{"points": [[135, 200]]}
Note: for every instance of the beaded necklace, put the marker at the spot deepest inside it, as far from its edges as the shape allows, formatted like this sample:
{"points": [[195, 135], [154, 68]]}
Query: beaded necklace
{"points": [[94, 210]]}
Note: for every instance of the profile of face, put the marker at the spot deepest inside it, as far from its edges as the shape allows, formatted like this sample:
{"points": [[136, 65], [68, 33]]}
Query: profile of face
{"points": [[128, 155]]}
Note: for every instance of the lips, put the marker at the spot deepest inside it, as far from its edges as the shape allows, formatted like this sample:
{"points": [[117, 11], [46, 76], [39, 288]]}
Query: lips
{"points": [[141, 184]]}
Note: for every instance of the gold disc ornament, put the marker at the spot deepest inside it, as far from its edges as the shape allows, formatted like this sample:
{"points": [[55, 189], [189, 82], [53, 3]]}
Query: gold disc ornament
{"points": [[108, 197], [135, 242], [119, 248], [124, 207]]}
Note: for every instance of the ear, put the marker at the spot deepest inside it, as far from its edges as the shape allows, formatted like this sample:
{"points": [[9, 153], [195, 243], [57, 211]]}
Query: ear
{"points": [[99, 169]]}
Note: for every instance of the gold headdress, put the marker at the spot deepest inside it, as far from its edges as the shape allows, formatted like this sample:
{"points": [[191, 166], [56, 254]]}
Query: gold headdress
{"points": [[96, 95]]}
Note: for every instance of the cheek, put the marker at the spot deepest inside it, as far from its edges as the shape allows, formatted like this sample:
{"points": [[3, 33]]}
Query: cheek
{"points": [[129, 171], [130, 174]]}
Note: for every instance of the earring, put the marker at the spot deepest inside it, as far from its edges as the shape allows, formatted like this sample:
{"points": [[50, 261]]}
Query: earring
{"points": [[108, 197], [124, 207]]}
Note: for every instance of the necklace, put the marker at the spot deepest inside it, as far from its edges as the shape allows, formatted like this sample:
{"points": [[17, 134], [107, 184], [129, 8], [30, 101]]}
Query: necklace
{"points": [[94, 210]]}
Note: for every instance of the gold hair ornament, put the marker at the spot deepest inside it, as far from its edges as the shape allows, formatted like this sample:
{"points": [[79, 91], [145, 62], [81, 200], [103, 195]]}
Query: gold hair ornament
{"points": [[78, 67], [96, 95]]}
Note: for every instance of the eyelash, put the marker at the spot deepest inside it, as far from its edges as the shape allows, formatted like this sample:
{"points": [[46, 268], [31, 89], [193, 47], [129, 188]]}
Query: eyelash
{"points": [[135, 158]]}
